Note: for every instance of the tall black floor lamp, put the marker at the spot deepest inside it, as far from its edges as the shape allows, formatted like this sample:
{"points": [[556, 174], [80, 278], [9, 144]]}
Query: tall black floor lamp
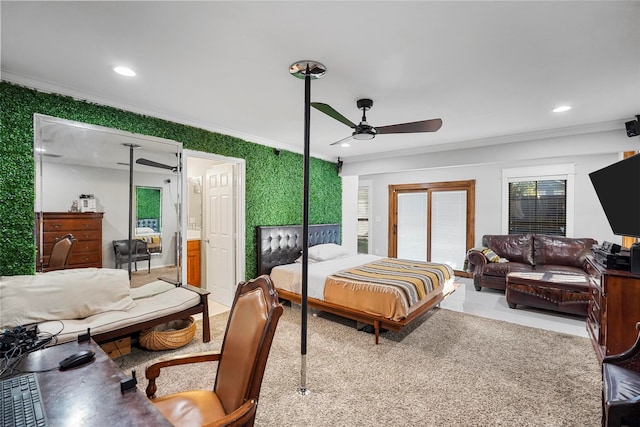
{"points": [[307, 70]]}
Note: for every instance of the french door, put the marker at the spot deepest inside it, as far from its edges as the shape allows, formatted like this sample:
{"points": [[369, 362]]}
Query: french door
{"points": [[432, 222]]}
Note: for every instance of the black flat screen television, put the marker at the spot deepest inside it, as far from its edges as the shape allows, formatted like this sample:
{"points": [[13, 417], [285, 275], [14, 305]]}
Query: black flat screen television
{"points": [[618, 188]]}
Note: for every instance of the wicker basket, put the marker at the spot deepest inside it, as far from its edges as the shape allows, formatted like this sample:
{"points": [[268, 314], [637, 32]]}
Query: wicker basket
{"points": [[169, 335]]}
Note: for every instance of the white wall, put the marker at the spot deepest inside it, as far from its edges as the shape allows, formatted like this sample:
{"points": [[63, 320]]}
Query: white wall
{"points": [[64, 183], [350, 213], [589, 152]]}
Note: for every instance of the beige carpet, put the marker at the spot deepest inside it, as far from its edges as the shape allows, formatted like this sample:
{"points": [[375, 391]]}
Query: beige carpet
{"points": [[450, 369], [142, 276]]}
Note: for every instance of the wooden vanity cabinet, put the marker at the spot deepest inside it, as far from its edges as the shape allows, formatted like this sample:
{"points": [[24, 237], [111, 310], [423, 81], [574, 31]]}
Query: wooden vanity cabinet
{"points": [[614, 309], [86, 229], [193, 262]]}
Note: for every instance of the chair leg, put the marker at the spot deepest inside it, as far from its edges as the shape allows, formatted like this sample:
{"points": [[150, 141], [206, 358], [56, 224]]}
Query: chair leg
{"points": [[149, 266], [135, 263]]}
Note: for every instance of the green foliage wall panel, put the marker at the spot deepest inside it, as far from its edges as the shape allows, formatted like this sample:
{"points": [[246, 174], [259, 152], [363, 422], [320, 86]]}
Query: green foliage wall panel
{"points": [[273, 183], [148, 202]]}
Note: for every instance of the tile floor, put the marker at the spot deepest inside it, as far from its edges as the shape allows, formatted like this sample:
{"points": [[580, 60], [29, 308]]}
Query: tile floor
{"points": [[491, 304]]}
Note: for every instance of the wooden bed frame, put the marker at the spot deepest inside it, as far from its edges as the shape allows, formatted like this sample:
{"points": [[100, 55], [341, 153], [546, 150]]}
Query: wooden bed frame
{"points": [[279, 245], [201, 307]]}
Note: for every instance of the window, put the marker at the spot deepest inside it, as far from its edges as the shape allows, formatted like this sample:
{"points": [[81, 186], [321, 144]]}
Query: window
{"points": [[538, 207], [363, 220], [538, 200]]}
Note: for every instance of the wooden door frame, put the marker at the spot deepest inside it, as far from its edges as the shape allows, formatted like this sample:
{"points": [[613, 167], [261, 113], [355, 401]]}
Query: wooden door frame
{"points": [[468, 186]]}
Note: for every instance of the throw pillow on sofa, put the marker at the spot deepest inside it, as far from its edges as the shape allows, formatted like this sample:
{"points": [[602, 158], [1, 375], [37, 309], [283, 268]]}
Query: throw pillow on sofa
{"points": [[490, 255]]}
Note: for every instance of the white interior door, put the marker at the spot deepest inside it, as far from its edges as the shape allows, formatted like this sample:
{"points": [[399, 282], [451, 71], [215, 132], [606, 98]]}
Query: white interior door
{"points": [[219, 220]]}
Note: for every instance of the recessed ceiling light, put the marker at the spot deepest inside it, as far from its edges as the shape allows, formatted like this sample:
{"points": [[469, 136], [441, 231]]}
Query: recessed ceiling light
{"points": [[345, 144], [562, 109], [124, 71]]}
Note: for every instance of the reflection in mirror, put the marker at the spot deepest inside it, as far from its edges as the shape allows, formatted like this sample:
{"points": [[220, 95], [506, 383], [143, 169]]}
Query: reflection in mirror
{"points": [[149, 217], [194, 200], [83, 185]]}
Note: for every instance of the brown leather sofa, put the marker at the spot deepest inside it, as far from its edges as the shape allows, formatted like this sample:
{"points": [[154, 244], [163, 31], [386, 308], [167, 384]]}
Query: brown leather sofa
{"points": [[550, 265]]}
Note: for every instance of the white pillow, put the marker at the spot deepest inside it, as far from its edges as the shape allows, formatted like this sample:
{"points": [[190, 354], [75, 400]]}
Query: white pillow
{"points": [[62, 295], [144, 230], [327, 251]]}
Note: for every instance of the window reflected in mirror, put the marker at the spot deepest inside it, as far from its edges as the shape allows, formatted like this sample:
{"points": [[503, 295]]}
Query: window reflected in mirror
{"points": [[149, 217]]}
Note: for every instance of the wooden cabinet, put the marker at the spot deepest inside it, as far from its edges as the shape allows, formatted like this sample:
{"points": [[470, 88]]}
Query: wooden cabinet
{"points": [[86, 229], [614, 309], [193, 262]]}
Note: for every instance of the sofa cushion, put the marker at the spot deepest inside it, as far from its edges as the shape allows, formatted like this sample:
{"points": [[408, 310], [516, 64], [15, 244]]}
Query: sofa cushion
{"points": [[514, 247], [561, 250], [501, 269], [62, 294]]}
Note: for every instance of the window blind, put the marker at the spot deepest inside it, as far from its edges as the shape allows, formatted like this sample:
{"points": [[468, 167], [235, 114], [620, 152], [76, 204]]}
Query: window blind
{"points": [[538, 207]]}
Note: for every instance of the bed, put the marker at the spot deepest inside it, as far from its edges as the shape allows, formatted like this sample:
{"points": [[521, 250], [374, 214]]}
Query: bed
{"points": [[148, 230], [386, 293]]}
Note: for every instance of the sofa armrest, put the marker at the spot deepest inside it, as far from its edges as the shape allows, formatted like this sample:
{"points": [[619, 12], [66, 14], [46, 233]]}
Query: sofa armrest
{"points": [[476, 262]]}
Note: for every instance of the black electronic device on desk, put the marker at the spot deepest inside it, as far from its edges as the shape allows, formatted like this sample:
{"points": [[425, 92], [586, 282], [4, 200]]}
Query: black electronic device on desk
{"points": [[611, 256]]}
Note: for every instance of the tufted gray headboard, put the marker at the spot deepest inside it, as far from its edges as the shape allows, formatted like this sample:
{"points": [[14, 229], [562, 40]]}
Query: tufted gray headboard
{"points": [[153, 223], [282, 244]]}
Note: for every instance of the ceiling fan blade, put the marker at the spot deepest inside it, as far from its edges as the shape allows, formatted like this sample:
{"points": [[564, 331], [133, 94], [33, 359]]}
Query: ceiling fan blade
{"points": [[329, 111], [342, 140], [151, 163], [413, 127]]}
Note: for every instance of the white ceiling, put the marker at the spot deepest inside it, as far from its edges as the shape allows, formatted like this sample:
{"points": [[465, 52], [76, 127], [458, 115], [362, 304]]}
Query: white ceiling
{"points": [[492, 71]]}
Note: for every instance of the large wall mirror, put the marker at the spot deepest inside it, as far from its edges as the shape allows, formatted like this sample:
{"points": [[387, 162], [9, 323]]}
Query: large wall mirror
{"points": [[96, 181]]}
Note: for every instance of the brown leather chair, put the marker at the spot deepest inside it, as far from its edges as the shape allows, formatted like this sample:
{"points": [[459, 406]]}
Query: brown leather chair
{"points": [[621, 387], [60, 253], [241, 361]]}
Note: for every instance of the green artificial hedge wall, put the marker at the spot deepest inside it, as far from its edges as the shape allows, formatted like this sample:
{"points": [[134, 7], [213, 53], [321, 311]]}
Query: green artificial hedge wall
{"points": [[273, 183], [148, 202]]}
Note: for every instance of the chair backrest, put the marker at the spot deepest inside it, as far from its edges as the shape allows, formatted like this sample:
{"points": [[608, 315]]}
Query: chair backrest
{"points": [[247, 341], [60, 252], [121, 247]]}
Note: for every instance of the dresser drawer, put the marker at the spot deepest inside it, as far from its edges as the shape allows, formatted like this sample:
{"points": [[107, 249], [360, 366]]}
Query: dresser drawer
{"points": [[50, 237], [84, 258], [71, 225], [79, 246]]}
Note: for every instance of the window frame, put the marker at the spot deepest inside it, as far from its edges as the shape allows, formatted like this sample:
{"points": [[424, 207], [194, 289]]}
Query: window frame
{"points": [[540, 173]]}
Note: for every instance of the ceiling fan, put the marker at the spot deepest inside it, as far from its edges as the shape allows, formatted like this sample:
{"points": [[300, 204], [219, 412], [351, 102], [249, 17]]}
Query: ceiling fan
{"points": [[147, 162], [364, 130]]}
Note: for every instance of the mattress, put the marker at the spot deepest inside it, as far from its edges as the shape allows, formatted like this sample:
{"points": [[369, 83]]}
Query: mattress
{"points": [[385, 287], [157, 305]]}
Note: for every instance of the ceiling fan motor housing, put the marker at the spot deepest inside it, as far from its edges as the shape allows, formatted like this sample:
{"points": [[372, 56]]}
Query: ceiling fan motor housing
{"points": [[365, 103]]}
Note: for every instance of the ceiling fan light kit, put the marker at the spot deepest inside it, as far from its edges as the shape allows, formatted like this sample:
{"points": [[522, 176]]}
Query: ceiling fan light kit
{"points": [[364, 131]]}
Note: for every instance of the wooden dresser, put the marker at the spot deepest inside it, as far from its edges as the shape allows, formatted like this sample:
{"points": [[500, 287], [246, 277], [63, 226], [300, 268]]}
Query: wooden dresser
{"points": [[86, 229], [193, 262], [614, 309]]}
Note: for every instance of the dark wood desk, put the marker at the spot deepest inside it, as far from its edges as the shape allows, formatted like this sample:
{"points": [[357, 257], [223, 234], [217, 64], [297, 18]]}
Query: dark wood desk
{"points": [[89, 395]]}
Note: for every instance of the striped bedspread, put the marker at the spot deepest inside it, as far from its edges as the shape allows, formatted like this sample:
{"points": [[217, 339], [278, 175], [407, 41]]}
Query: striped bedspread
{"points": [[409, 282]]}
